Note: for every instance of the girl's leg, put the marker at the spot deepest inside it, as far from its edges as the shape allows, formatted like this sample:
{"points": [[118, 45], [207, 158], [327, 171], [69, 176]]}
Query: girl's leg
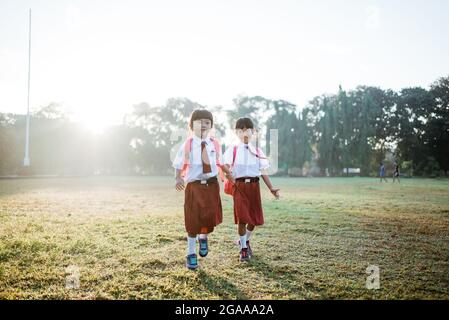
{"points": [[242, 234], [204, 232], [249, 231], [242, 229], [202, 239], [191, 244]]}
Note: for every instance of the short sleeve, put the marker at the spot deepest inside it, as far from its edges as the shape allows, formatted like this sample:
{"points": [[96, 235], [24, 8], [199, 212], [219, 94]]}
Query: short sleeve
{"points": [[264, 163], [178, 162], [227, 158], [216, 146]]}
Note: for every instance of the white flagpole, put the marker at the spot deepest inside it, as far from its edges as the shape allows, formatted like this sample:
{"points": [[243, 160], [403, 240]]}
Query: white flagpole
{"points": [[26, 161]]}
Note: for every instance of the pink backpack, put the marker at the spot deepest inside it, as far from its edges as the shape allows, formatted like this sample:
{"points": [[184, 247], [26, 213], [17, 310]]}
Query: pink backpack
{"points": [[228, 186], [188, 150]]}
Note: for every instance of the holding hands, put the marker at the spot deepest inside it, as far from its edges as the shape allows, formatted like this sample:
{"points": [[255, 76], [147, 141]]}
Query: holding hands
{"points": [[230, 177]]}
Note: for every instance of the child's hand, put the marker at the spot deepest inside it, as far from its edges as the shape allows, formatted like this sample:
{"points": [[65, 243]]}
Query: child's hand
{"points": [[275, 193], [230, 178], [179, 184]]}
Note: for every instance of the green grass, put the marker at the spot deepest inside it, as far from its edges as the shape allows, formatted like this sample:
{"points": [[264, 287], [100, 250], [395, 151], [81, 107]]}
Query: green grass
{"points": [[126, 236]]}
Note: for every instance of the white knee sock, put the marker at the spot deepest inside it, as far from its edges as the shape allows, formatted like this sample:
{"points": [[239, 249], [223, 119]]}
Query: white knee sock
{"points": [[202, 236], [191, 245], [248, 234], [242, 242]]}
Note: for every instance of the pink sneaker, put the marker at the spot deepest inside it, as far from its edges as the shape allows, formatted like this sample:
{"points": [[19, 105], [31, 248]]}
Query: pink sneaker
{"points": [[250, 251], [244, 255]]}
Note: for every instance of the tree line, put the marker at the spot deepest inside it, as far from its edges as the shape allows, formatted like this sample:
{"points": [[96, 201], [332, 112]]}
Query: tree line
{"points": [[358, 129]]}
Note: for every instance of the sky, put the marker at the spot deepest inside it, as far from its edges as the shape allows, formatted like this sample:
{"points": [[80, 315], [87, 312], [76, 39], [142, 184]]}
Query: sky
{"points": [[98, 58]]}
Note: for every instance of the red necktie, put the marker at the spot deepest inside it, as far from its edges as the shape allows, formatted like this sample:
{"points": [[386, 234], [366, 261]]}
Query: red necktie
{"points": [[205, 158]]}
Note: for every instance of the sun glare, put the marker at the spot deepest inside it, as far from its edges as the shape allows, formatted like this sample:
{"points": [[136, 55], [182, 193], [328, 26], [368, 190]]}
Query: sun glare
{"points": [[94, 122]]}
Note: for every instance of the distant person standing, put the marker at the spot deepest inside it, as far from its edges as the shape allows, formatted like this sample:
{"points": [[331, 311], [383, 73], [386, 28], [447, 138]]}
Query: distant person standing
{"points": [[396, 172], [382, 172]]}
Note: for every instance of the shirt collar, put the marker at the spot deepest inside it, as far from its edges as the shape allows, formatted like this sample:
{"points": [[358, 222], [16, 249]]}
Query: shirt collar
{"points": [[249, 145], [199, 140]]}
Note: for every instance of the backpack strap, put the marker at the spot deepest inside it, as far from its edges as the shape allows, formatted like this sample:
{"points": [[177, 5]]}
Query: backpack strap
{"points": [[187, 152], [234, 153], [217, 157], [217, 150], [257, 154]]}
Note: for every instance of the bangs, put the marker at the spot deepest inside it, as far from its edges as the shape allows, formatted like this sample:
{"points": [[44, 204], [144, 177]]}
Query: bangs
{"points": [[244, 123], [199, 114]]}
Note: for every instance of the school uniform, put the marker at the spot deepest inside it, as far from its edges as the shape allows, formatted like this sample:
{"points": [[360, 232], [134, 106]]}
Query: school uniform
{"points": [[246, 170], [202, 202]]}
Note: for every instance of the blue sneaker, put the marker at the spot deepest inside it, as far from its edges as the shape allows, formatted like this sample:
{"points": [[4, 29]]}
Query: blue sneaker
{"points": [[192, 261], [204, 248]]}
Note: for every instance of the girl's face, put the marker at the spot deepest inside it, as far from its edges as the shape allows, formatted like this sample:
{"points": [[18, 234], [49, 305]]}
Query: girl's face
{"points": [[245, 135], [202, 127]]}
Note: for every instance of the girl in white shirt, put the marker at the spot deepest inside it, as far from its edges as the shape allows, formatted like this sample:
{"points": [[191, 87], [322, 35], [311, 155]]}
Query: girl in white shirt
{"points": [[247, 164], [197, 165]]}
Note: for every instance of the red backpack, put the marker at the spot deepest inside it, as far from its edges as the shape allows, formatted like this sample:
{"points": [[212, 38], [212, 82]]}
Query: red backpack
{"points": [[228, 186]]}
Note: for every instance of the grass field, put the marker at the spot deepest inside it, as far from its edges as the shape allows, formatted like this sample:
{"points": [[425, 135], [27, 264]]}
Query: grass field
{"points": [[126, 236]]}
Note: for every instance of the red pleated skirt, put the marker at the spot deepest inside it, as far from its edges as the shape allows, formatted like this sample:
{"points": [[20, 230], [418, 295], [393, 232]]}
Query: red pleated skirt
{"points": [[248, 204], [202, 207]]}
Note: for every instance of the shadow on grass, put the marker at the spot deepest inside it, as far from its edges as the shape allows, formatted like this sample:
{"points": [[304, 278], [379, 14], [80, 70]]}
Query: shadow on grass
{"points": [[282, 275], [220, 286]]}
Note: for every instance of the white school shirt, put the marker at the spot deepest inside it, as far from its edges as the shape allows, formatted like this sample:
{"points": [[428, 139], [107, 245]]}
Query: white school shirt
{"points": [[246, 164], [195, 171]]}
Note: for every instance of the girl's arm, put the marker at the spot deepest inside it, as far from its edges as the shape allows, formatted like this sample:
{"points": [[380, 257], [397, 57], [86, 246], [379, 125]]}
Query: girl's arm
{"points": [[179, 181], [274, 191], [227, 170]]}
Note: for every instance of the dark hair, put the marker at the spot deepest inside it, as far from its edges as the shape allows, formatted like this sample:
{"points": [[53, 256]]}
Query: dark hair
{"points": [[200, 114], [244, 123]]}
